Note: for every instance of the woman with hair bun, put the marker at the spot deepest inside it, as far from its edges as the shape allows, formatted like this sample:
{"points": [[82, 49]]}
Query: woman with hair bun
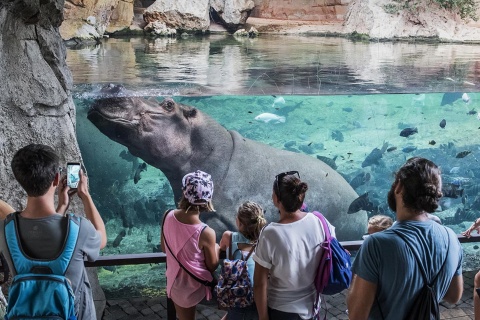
{"points": [[391, 266], [187, 240], [287, 255]]}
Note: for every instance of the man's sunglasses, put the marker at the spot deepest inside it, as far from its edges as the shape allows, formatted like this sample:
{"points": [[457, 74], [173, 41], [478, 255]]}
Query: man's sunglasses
{"points": [[279, 177]]}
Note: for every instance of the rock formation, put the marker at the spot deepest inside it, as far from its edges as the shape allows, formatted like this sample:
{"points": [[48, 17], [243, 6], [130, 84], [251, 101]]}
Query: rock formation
{"points": [[35, 98], [428, 20], [232, 13]]}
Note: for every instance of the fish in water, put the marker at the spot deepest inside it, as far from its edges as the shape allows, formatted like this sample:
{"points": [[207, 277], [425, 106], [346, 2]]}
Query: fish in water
{"points": [[141, 167], [149, 237], [290, 143], [307, 122], [374, 156], [270, 117], [347, 109], [408, 132], [360, 179], [452, 190], [329, 161], [337, 135], [391, 149], [119, 238], [463, 154], [465, 98], [432, 142], [472, 112], [361, 203], [443, 123], [450, 98], [278, 100], [408, 149]]}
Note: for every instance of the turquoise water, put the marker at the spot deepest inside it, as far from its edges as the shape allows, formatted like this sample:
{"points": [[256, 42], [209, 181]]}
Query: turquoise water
{"points": [[332, 99]]}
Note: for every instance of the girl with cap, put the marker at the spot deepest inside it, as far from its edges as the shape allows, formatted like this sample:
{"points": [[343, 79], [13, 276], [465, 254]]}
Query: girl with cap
{"points": [[187, 240], [287, 255]]}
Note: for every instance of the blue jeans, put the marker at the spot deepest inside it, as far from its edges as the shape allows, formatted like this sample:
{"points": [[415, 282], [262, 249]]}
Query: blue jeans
{"points": [[247, 313], [280, 315]]}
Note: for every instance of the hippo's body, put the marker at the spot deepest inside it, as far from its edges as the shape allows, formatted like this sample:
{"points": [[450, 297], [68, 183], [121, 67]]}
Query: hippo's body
{"points": [[179, 139]]}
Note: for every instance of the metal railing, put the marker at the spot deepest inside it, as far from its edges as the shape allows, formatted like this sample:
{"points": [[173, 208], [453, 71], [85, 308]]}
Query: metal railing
{"points": [[160, 257]]}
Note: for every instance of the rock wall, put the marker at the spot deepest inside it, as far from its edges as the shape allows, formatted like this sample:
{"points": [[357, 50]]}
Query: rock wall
{"points": [[36, 104], [307, 10], [428, 20]]}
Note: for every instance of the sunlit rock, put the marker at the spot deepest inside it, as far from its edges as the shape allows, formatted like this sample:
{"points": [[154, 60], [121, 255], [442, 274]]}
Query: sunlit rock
{"points": [[379, 19], [157, 28], [180, 14], [232, 13]]}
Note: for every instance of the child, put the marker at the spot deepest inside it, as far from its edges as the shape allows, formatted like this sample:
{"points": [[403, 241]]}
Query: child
{"points": [[188, 241], [379, 223], [250, 221]]}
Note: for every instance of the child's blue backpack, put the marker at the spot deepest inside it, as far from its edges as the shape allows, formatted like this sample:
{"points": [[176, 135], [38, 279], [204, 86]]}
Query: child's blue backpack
{"points": [[333, 273], [40, 289]]}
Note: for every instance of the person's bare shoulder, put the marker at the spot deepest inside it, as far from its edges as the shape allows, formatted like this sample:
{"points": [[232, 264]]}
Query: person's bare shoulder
{"points": [[5, 209]]}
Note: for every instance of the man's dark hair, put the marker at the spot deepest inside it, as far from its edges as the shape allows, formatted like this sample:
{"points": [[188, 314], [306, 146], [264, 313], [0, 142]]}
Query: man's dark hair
{"points": [[422, 185], [34, 167]]}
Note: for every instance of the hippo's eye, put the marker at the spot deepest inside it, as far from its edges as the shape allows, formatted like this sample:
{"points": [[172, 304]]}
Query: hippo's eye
{"points": [[168, 105]]}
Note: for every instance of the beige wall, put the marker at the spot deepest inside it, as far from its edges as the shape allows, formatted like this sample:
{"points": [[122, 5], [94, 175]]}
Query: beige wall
{"points": [[308, 10]]}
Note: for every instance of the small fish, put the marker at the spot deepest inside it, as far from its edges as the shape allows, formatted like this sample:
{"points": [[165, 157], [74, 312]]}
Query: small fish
{"points": [[149, 237], [119, 238], [278, 100], [463, 154], [451, 190], [141, 167], [347, 109], [469, 83], [465, 98], [337, 135], [374, 156], [443, 123], [408, 132], [361, 203], [472, 112], [408, 149], [330, 162], [455, 170], [270, 117], [432, 142], [391, 149], [307, 122], [450, 98], [360, 179]]}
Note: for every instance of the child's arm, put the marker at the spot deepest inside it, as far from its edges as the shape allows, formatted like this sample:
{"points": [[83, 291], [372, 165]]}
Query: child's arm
{"points": [[210, 247], [225, 241]]}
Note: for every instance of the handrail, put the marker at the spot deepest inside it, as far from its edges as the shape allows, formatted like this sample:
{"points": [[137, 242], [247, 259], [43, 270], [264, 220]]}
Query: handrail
{"points": [[160, 257]]}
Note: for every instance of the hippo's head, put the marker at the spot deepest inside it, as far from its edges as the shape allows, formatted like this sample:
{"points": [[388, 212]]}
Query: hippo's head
{"points": [[173, 137]]}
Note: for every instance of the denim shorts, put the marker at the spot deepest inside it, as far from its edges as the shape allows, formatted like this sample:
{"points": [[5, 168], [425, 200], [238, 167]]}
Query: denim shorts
{"points": [[247, 313]]}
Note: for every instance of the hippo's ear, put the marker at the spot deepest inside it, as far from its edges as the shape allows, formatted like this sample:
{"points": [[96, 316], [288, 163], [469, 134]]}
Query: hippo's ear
{"points": [[190, 113]]}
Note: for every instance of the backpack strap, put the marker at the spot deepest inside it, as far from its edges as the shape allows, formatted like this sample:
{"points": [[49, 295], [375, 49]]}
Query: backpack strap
{"points": [[24, 264], [417, 258]]}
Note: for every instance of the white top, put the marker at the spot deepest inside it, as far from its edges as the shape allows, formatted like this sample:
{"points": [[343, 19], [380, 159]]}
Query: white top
{"points": [[291, 252]]}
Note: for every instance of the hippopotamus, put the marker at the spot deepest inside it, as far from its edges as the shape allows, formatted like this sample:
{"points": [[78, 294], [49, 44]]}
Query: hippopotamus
{"points": [[178, 139]]}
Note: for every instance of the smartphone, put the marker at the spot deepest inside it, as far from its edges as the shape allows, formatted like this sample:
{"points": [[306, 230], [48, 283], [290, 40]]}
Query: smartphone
{"points": [[73, 174]]}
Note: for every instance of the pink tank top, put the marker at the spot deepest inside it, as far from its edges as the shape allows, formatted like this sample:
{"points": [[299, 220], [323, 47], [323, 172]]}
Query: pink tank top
{"points": [[183, 240]]}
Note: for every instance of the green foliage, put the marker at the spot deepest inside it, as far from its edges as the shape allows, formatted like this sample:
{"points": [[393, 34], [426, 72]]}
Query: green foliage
{"points": [[465, 8]]}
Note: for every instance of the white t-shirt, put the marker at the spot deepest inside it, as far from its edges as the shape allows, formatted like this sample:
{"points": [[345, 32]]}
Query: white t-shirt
{"points": [[291, 252]]}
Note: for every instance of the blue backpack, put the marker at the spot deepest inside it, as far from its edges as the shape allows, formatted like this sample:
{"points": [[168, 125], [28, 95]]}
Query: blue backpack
{"points": [[333, 273], [40, 289]]}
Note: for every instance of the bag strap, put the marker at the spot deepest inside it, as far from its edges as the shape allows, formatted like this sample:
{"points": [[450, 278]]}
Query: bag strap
{"points": [[326, 229], [232, 254], [204, 282], [417, 258]]}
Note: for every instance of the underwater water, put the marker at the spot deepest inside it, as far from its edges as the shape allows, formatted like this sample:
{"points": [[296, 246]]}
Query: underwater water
{"points": [[361, 108]]}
